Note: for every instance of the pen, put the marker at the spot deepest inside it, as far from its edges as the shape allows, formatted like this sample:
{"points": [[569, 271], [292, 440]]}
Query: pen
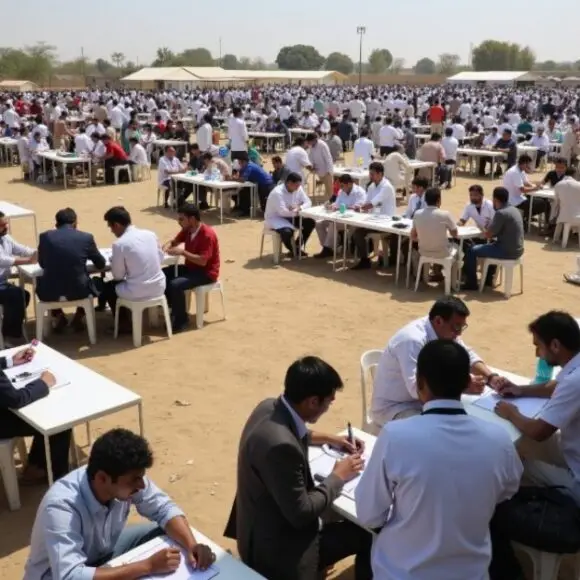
{"points": [[350, 437]]}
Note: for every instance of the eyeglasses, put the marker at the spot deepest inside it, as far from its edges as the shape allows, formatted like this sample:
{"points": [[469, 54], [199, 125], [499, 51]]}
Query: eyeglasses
{"points": [[459, 328]]}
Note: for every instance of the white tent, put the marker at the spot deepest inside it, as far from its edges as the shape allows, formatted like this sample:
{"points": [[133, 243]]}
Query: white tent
{"points": [[504, 77]]}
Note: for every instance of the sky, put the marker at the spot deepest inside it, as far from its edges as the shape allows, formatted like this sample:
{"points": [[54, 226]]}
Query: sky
{"points": [[410, 29]]}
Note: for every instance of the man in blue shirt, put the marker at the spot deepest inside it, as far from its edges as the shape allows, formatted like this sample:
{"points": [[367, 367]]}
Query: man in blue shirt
{"points": [[253, 173], [81, 522]]}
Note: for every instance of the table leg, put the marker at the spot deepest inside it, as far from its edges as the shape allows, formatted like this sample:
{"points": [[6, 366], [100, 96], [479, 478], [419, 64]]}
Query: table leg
{"points": [[334, 226], [253, 201], [141, 427], [397, 265], [64, 173], [531, 198], [48, 460], [344, 246], [457, 281], [221, 205], [409, 262], [35, 228], [492, 166]]}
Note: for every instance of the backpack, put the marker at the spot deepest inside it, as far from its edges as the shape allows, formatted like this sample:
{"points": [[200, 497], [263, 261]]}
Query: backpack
{"points": [[544, 518]]}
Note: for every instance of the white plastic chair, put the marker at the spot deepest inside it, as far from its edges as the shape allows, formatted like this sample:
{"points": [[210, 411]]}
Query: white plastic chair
{"points": [[546, 565], [368, 364], [43, 309], [161, 189], [137, 307], [564, 230], [449, 264], [118, 168], [202, 301], [8, 469], [508, 267], [276, 244]]}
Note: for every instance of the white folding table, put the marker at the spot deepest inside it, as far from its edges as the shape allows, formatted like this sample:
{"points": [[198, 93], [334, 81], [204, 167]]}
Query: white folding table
{"points": [[13, 211], [64, 160]]}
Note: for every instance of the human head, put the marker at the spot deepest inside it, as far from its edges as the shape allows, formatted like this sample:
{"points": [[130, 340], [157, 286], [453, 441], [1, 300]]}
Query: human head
{"points": [[506, 134], [243, 159], [293, 182], [188, 216], [312, 139], [432, 197], [346, 183], [448, 317], [561, 165], [442, 370], [449, 132], [500, 197], [277, 162], [420, 185], [3, 225], [556, 337], [117, 464], [133, 141], [476, 194], [118, 219], [65, 217], [170, 152], [524, 162], [310, 387], [435, 137], [207, 159], [194, 150], [376, 171]]}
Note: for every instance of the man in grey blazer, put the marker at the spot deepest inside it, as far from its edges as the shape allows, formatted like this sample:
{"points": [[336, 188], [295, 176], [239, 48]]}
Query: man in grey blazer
{"points": [[277, 511]]}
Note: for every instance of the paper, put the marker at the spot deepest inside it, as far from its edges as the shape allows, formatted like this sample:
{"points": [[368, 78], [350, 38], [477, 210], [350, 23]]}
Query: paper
{"points": [[22, 375], [527, 406], [184, 572]]}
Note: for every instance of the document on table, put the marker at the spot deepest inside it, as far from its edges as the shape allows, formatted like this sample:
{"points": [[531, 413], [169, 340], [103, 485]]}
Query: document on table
{"points": [[22, 375], [527, 406], [184, 572]]}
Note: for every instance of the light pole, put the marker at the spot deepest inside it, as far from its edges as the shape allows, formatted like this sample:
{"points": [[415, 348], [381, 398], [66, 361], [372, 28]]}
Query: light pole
{"points": [[360, 30]]}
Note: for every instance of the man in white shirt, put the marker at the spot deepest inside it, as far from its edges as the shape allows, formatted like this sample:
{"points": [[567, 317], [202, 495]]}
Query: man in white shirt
{"points": [[167, 166], [24, 152], [282, 213], [397, 168], [479, 209], [429, 529], [350, 196], [380, 195], [136, 262], [205, 134], [542, 142], [297, 159], [83, 143], [321, 161], [450, 145], [395, 386], [238, 134], [388, 137], [364, 150], [419, 187], [117, 117]]}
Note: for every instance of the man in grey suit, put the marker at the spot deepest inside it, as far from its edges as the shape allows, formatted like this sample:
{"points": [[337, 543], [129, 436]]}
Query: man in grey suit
{"points": [[276, 514]]}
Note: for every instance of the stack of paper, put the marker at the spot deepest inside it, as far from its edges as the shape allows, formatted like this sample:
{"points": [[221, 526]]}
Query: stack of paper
{"points": [[22, 375], [527, 406]]}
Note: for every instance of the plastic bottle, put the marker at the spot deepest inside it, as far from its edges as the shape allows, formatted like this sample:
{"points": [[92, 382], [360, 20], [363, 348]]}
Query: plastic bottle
{"points": [[544, 371], [342, 209]]}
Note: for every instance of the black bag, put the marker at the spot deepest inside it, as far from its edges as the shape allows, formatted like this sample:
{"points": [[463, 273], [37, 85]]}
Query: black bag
{"points": [[543, 518]]}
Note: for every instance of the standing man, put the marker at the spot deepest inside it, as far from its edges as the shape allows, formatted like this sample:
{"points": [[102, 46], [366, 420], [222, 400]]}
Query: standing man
{"points": [[202, 262], [205, 134], [321, 161], [13, 299], [238, 134], [436, 116], [426, 532], [276, 514]]}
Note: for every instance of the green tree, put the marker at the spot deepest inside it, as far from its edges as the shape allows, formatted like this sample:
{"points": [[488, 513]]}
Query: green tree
{"points": [[196, 57], [397, 65], [380, 60], [425, 66], [258, 64], [230, 62], [118, 58], [165, 57], [299, 57], [103, 66], [498, 55], [577, 65], [448, 63], [339, 62], [245, 63]]}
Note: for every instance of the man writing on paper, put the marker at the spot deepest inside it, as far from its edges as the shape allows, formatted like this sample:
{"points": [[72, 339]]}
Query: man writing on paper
{"points": [[81, 522], [551, 446], [275, 517], [424, 471], [35, 388]]}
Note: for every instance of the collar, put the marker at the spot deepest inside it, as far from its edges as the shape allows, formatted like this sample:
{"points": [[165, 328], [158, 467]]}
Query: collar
{"points": [[430, 331], [301, 427], [572, 365], [443, 404], [93, 504]]}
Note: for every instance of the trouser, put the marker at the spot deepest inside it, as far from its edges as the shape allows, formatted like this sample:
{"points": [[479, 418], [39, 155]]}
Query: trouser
{"points": [[177, 284], [443, 173], [131, 537], [386, 150], [359, 236], [539, 156], [483, 163], [110, 164], [328, 181], [108, 295], [325, 231], [538, 206], [470, 262], [504, 564], [287, 234], [14, 301], [13, 426], [263, 193], [437, 128]]}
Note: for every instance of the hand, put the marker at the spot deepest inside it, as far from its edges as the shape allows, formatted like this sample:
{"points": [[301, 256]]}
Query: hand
{"points": [[164, 561], [476, 385], [23, 356], [32, 259], [508, 389], [343, 444], [48, 378], [201, 557], [349, 467], [175, 251], [505, 410]]}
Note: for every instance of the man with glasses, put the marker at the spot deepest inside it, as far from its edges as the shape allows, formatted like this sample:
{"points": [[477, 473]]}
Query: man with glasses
{"points": [[395, 386]]}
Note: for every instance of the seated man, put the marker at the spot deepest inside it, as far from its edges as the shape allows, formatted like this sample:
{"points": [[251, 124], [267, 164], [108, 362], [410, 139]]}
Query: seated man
{"points": [[350, 196], [542, 142], [167, 166], [433, 152], [480, 210], [138, 156], [63, 254], [397, 168], [395, 386], [114, 156], [136, 261], [380, 194], [554, 176], [507, 227], [283, 213], [13, 426], [280, 172], [81, 522], [202, 262], [416, 199], [13, 299], [253, 173]]}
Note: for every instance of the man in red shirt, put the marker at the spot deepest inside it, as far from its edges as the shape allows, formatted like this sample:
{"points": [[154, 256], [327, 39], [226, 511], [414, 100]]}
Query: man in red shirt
{"points": [[114, 155], [436, 115], [202, 262]]}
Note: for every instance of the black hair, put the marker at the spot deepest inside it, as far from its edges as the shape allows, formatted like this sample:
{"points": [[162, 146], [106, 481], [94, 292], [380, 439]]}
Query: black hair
{"points": [[294, 178], [310, 376], [118, 215], [524, 159], [446, 307], [117, 452], [476, 188], [432, 196], [345, 178], [190, 210], [444, 365], [377, 166], [422, 182], [557, 325], [64, 217], [501, 194]]}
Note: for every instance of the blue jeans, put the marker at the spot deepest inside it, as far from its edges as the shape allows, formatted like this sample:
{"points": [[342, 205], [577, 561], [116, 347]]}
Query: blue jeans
{"points": [[480, 251]]}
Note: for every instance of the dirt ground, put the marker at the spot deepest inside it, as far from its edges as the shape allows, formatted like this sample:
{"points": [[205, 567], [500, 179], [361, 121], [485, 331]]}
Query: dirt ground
{"points": [[274, 314]]}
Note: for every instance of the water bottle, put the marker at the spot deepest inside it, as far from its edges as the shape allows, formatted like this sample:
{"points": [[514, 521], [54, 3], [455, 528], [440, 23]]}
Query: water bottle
{"points": [[342, 209], [544, 371]]}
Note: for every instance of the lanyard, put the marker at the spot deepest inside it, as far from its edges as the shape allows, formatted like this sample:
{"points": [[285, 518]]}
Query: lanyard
{"points": [[444, 411]]}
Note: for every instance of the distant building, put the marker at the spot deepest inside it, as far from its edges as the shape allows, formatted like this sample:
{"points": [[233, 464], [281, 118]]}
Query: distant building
{"points": [[18, 86], [492, 78]]}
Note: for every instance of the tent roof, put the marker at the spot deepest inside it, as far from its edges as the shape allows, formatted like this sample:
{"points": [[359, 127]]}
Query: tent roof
{"points": [[286, 74], [489, 76], [9, 83]]}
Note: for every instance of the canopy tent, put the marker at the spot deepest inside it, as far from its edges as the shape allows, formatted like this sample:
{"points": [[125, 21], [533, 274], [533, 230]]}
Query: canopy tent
{"points": [[504, 77]]}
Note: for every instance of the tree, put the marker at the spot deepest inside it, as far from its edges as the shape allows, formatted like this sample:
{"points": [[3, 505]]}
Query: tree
{"points": [[577, 65], [103, 66], [497, 55], [165, 57], [380, 60], [258, 64], [245, 63], [299, 57], [397, 65], [425, 66], [118, 58], [448, 63], [339, 62], [196, 57], [230, 62]]}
